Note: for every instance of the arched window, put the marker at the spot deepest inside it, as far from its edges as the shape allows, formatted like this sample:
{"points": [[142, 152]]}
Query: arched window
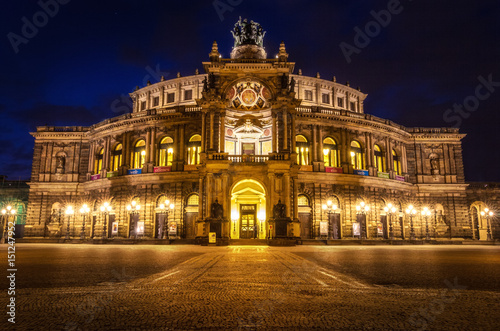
{"points": [[356, 155], [397, 162], [193, 200], [379, 159], [166, 155], [303, 200], [98, 162], [302, 149], [139, 154], [194, 148], [330, 153], [116, 160]]}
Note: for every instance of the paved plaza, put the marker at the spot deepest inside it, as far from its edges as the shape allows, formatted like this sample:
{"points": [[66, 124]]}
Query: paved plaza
{"points": [[92, 287]]}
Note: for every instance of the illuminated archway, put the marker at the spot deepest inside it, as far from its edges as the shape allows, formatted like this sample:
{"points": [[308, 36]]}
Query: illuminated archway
{"points": [[248, 210]]}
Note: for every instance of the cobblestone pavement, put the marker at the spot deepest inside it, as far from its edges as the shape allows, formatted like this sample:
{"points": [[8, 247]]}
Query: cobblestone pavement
{"points": [[246, 288]]}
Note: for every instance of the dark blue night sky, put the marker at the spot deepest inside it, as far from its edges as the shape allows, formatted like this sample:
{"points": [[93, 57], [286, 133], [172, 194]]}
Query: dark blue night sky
{"points": [[78, 68]]}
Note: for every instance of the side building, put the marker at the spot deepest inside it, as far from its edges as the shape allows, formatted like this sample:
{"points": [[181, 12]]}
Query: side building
{"points": [[251, 150]]}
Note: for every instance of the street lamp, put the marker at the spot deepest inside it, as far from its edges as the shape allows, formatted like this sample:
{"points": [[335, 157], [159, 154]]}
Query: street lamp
{"points": [[362, 209], [235, 216], [6, 212], [411, 211], [69, 211], [330, 208], [165, 209], [133, 208], [426, 213], [105, 209], [488, 214], [83, 211], [390, 209]]}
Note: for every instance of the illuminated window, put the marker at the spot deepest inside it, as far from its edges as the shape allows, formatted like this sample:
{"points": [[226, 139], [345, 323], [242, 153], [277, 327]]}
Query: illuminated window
{"points": [[302, 149], [330, 153], [356, 155], [139, 154], [194, 148], [379, 158], [170, 97], [340, 102], [193, 200], [353, 106], [396, 162], [166, 155], [156, 101], [143, 105], [117, 158], [303, 200], [98, 162], [188, 94]]}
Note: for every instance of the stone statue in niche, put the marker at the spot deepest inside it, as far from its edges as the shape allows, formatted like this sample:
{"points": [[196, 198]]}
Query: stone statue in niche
{"points": [[434, 165], [60, 163], [279, 210], [216, 210]]}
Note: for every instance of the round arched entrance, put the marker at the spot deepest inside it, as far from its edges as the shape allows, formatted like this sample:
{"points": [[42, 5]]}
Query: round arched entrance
{"points": [[248, 210]]}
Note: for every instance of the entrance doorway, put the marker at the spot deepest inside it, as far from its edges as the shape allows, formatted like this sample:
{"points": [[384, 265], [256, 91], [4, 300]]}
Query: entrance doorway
{"points": [[248, 222], [248, 210]]}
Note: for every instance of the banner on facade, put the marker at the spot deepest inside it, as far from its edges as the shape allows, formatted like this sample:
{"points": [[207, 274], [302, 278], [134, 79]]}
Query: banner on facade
{"points": [[140, 228], [112, 174], [356, 229], [134, 171], [161, 169], [95, 177], [114, 229], [212, 237], [334, 170], [400, 178], [323, 228], [383, 174], [361, 172]]}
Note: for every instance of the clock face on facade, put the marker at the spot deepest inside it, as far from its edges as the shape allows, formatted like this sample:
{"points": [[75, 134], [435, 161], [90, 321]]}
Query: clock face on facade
{"points": [[248, 96]]}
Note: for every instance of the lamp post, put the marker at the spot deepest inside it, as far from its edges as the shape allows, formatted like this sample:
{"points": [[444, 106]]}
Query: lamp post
{"points": [[330, 208], [411, 211], [69, 211], [362, 209], [261, 217], [390, 209], [83, 211], [235, 216], [133, 209], [105, 210], [165, 209], [6, 212], [426, 213], [488, 214]]}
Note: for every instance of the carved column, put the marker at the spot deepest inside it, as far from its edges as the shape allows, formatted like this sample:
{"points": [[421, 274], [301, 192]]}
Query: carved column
{"points": [[320, 144], [314, 147], [152, 157], [148, 145], [181, 154], [286, 179], [211, 130], [222, 126], [91, 157], [293, 133], [275, 134], [285, 131], [203, 132], [295, 200]]}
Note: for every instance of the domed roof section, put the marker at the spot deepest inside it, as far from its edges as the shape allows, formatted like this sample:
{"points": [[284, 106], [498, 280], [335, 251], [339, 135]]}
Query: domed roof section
{"points": [[248, 40]]}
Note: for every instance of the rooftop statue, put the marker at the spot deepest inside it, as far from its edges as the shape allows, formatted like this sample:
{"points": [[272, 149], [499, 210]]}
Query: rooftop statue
{"points": [[248, 33]]}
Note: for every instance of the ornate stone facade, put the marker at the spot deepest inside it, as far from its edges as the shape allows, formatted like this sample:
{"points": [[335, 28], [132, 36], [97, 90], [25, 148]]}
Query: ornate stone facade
{"points": [[249, 134]]}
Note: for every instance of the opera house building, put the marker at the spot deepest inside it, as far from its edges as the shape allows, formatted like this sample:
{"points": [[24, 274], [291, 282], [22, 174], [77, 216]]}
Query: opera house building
{"points": [[252, 149]]}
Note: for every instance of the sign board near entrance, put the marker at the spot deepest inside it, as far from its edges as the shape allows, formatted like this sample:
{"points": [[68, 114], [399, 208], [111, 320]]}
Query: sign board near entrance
{"points": [[380, 230], [212, 237], [356, 229], [323, 228], [114, 229]]}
